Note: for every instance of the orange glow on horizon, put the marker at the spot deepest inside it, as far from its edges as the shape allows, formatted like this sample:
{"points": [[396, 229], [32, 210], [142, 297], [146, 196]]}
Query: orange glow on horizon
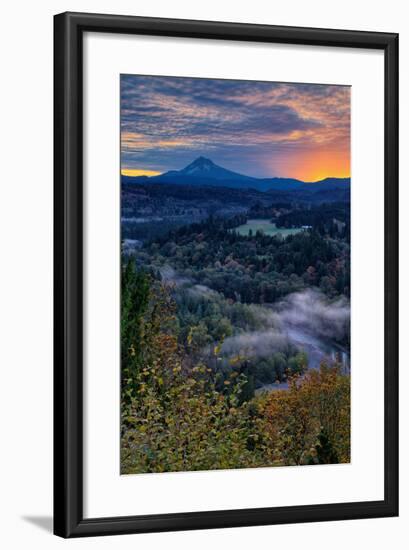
{"points": [[317, 165], [139, 172]]}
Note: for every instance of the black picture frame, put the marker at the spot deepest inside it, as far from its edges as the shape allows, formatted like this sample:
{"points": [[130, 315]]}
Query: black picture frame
{"points": [[68, 274]]}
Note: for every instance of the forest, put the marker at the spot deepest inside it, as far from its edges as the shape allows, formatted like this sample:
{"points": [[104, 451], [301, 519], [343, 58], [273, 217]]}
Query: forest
{"points": [[207, 318], [176, 416], [235, 273], [252, 269]]}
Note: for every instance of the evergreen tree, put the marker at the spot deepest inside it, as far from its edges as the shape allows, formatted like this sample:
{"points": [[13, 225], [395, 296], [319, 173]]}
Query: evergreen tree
{"points": [[326, 453]]}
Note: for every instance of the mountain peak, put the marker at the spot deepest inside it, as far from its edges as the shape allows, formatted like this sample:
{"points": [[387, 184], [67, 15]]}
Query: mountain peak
{"points": [[203, 160], [204, 168], [201, 164], [203, 171]]}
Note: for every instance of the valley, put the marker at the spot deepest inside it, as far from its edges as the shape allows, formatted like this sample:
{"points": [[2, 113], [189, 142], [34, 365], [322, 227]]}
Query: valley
{"points": [[235, 274], [228, 256]]}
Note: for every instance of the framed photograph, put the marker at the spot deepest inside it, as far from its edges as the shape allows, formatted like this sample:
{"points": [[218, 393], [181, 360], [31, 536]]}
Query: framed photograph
{"points": [[226, 274]]}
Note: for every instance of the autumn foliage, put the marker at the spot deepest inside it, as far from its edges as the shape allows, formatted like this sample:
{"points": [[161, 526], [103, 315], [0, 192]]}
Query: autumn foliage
{"points": [[176, 417]]}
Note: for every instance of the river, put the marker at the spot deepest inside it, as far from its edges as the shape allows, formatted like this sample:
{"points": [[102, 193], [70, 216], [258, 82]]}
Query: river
{"points": [[317, 349]]}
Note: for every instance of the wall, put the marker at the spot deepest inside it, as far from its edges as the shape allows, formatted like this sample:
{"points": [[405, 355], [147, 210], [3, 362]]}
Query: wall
{"points": [[26, 271]]}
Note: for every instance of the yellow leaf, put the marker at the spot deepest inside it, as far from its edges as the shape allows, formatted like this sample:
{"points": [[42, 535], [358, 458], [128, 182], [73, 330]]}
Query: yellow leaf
{"points": [[216, 349]]}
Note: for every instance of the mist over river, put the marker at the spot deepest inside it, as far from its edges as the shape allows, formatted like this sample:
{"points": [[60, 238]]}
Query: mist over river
{"points": [[314, 325], [308, 320], [317, 349]]}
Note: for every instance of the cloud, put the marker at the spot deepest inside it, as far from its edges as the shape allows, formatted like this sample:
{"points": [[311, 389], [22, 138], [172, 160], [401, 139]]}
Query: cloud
{"points": [[255, 344], [310, 312], [202, 291], [315, 313], [315, 318], [166, 120], [171, 278]]}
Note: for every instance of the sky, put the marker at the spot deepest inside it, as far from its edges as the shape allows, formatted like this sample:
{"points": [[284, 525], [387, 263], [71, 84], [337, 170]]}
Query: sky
{"points": [[260, 129]]}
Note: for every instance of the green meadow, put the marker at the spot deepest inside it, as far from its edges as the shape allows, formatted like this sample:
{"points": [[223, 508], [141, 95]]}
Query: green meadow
{"points": [[266, 227]]}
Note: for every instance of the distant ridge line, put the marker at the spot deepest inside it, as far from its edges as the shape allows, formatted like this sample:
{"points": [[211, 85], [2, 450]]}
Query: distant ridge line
{"points": [[204, 172]]}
